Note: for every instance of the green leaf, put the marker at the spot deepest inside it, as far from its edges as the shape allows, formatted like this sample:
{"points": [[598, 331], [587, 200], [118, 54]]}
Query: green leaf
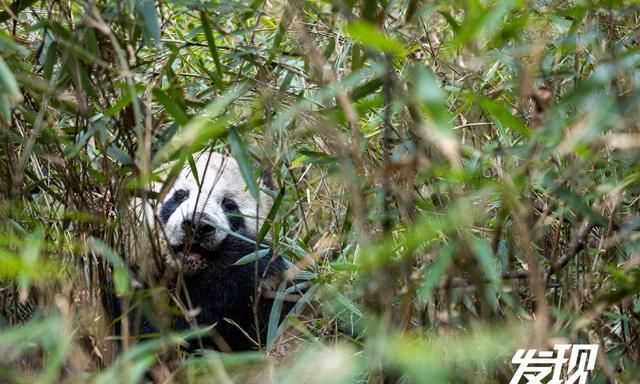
{"points": [[253, 256], [120, 271], [367, 34], [194, 169], [213, 49], [282, 28], [435, 271], [485, 257], [578, 205], [275, 315], [452, 21], [428, 92], [200, 129], [241, 155], [357, 57], [8, 84], [119, 105], [91, 42], [120, 155], [501, 116], [151, 26], [346, 267], [172, 107], [5, 107], [132, 365], [270, 216], [30, 255], [50, 60]]}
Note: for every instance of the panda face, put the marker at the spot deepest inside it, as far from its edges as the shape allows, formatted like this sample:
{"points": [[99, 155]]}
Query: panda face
{"points": [[197, 218]]}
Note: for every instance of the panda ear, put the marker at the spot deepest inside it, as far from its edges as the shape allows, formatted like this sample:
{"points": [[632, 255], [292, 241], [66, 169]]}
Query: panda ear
{"points": [[266, 177]]}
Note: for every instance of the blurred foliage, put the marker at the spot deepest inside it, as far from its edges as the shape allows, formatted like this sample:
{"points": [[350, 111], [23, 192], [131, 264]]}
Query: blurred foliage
{"points": [[458, 179]]}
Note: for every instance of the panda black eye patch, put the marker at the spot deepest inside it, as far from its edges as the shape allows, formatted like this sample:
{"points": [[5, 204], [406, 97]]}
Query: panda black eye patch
{"points": [[230, 207], [172, 203]]}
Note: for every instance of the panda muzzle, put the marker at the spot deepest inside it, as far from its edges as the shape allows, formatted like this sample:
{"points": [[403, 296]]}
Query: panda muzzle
{"points": [[199, 229], [196, 232]]}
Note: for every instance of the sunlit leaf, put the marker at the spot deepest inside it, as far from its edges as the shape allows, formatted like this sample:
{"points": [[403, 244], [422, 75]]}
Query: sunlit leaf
{"points": [[371, 37]]}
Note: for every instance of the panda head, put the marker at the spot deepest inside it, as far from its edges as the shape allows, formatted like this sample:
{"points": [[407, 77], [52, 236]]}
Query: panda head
{"points": [[197, 217]]}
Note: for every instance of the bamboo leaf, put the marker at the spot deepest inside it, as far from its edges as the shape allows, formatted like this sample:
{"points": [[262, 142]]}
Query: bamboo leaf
{"points": [[8, 84], [271, 216], [241, 155], [207, 125], [253, 257], [121, 276], [171, 106], [206, 28], [151, 26], [370, 36], [275, 315]]}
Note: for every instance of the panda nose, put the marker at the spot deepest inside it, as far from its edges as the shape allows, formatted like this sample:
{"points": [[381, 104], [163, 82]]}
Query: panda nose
{"points": [[197, 230]]}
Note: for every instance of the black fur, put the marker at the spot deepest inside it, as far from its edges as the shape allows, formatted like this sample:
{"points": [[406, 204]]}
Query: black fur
{"points": [[234, 216], [222, 290], [172, 203]]}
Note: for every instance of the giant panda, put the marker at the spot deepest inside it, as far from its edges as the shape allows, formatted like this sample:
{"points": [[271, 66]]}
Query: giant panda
{"points": [[207, 221]]}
